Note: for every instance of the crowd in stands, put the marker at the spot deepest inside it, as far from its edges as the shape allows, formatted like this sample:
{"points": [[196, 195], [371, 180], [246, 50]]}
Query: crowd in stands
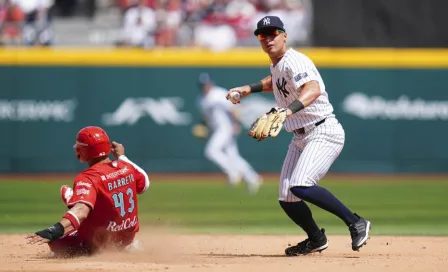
{"points": [[214, 24], [26, 22]]}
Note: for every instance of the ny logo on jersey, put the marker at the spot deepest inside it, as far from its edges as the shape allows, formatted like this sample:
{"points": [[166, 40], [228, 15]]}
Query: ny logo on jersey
{"points": [[266, 21], [282, 87]]}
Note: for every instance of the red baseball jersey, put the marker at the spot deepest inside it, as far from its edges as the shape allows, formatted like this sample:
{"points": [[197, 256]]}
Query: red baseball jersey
{"points": [[110, 190]]}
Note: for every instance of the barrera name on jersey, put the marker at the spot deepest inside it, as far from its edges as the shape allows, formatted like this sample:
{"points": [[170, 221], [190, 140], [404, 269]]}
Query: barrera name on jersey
{"points": [[294, 70]]}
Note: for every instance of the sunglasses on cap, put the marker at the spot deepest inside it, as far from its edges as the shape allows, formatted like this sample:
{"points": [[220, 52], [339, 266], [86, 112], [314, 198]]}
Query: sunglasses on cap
{"points": [[273, 32]]}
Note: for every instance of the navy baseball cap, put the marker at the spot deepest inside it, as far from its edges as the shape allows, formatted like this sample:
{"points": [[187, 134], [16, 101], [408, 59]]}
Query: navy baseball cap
{"points": [[269, 22], [204, 78]]}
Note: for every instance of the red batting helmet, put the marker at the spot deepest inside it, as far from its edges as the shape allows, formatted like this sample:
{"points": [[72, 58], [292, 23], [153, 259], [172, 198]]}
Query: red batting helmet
{"points": [[92, 142]]}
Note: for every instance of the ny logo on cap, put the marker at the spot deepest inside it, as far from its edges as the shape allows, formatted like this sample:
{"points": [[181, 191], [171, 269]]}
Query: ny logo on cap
{"points": [[266, 21]]}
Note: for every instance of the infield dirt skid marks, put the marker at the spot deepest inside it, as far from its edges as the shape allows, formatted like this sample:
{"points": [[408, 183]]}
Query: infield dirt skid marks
{"points": [[236, 253]]}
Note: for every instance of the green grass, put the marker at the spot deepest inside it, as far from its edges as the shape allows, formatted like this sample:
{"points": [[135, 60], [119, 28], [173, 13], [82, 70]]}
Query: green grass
{"points": [[414, 207]]}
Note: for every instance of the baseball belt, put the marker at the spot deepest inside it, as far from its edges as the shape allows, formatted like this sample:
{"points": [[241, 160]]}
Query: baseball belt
{"points": [[301, 130]]}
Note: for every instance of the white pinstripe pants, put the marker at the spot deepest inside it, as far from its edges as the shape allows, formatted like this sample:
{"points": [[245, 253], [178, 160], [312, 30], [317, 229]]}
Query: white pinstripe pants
{"points": [[309, 157]]}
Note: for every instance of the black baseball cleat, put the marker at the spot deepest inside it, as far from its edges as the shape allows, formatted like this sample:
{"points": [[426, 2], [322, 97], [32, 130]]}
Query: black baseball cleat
{"points": [[317, 244], [359, 231]]}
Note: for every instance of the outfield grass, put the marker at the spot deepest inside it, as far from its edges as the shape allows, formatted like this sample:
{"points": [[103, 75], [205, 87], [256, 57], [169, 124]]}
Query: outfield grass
{"points": [[414, 207]]}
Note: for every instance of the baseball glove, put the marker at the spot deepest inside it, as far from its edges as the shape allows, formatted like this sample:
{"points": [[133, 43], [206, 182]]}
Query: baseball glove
{"points": [[269, 124], [200, 131]]}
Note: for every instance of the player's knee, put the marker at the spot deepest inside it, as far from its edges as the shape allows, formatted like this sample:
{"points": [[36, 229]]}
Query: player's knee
{"points": [[300, 191], [60, 247], [212, 153], [70, 245]]}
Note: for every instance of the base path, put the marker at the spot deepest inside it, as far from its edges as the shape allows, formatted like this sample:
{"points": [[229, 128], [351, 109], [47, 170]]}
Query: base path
{"points": [[236, 253]]}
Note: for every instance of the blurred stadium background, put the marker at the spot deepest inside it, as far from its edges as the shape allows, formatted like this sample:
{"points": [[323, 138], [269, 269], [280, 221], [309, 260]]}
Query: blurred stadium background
{"points": [[131, 67]]}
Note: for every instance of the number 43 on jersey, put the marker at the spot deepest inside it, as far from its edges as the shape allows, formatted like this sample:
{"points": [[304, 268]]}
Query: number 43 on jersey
{"points": [[120, 199]]}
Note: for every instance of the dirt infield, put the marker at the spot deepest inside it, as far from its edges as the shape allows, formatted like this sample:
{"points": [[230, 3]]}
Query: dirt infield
{"points": [[236, 253]]}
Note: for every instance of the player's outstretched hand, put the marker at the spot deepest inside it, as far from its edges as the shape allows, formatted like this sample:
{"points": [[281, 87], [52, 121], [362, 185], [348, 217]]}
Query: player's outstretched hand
{"points": [[243, 91], [36, 239], [117, 149]]}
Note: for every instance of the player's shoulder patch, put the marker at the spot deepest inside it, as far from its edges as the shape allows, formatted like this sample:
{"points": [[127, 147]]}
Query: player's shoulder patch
{"points": [[84, 183], [300, 76]]}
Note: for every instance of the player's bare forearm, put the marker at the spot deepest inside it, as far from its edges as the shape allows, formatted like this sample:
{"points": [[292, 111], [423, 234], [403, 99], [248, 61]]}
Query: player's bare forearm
{"points": [[309, 93], [263, 85], [267, 84], [78, 213], [81, 211]]}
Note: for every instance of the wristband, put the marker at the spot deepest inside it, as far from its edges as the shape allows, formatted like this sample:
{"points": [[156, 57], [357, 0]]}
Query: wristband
{"points": [[73, 219], [256, 87], [52, 233], [296, 106]]}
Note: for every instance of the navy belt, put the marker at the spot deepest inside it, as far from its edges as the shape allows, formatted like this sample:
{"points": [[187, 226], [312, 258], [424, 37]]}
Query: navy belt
{"points": [[302, 130]]}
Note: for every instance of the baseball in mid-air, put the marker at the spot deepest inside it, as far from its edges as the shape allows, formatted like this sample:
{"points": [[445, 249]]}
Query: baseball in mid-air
{"points": [[235, 97]]}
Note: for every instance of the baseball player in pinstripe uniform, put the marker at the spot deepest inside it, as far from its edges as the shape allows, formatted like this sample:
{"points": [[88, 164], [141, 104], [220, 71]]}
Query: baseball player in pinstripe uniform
{"points": [[303, 108]]}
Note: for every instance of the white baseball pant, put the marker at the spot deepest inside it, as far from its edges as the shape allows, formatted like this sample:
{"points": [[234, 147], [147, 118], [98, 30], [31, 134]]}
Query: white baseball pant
{"points": [[310, 156], [222, 149]]}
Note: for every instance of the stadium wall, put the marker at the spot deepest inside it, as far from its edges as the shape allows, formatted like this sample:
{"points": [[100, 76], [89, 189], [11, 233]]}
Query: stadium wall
{"points": [[393, 104]]}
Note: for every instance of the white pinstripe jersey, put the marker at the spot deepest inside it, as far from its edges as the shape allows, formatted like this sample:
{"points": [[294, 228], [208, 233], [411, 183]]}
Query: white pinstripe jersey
{"points": [[294, 70]]}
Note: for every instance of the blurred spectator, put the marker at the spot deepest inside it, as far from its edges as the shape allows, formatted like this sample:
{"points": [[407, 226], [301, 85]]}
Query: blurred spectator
{"points": [[139, 25], [221, 24], [299, 19], [193, 11], [123, 5], [295, 14], [37, 29], [169, 18], [239, 14], [215, 31], [11, 19], [214, 24]]}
